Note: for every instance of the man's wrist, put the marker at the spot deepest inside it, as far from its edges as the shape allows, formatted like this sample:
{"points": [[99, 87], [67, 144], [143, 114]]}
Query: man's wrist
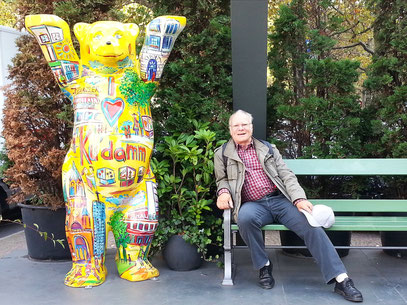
{"points": [[222, 191], [297, 201]]}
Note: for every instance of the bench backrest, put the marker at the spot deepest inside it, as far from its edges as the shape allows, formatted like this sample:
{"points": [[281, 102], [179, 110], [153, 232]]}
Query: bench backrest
{"points": [[344, 167], [354, 167]]}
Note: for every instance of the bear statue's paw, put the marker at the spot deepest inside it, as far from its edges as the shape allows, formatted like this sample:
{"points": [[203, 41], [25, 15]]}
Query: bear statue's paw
{"points": [[139, 270], [85, 275]]}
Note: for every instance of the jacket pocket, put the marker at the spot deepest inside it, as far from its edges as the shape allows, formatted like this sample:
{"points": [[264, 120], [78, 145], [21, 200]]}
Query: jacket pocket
{"points": [[271, 167]]}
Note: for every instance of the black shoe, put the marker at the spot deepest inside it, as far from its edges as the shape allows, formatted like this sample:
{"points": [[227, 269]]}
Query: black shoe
{"points": [[266, 280], [348, 291]]}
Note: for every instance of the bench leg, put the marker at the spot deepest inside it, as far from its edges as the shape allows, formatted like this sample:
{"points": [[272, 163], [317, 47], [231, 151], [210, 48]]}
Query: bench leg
{"points": [[228, 270], [228, 255]]}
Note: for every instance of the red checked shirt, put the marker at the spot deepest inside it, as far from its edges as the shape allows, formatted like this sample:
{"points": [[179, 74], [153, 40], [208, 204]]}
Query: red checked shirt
{"points": [[256, 182]]}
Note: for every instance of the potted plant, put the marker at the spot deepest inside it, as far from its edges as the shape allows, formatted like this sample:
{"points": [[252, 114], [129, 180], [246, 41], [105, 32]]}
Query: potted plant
{"points": [[36, 133], [186, 190]]}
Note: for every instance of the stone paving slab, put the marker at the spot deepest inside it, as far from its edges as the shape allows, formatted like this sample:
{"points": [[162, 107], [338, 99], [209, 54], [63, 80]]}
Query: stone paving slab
{"points": [[381, 278]]}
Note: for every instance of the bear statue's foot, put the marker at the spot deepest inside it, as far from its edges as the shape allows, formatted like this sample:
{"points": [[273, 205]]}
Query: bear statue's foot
{"points": [[85, 275], [139, 270]]}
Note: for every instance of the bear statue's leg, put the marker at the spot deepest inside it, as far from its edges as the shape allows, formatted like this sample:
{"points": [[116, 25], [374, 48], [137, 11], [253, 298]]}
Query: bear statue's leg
{"points": [[141, 218], [86, 233]]}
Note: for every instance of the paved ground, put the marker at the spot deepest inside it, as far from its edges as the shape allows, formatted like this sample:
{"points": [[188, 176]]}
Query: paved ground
{"points": [[358, 238], [381, 278]]}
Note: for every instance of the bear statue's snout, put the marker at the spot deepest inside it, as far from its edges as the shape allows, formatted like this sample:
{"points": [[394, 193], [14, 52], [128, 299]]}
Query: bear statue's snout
{"points": [[108, 43]]}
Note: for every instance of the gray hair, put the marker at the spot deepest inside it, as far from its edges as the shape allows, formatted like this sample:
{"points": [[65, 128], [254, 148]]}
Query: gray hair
{"points": [[242, 112]]}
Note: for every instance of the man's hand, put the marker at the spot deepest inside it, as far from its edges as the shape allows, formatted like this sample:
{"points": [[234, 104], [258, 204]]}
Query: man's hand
{"points": [[305, 205], [224, 201]]}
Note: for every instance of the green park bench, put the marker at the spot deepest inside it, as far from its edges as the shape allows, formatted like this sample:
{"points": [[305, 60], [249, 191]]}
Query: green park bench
{"points": [[337, 167]]}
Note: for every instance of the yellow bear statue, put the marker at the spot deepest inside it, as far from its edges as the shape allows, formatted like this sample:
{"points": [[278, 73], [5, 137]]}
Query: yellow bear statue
{"points": [[107, 180]]}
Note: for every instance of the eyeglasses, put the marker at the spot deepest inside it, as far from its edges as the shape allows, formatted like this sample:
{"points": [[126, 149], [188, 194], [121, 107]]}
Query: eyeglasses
{"points": [[238, 126]]}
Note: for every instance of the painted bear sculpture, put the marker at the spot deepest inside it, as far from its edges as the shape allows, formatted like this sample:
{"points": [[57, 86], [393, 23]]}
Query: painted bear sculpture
{"points": [[107, 180]]}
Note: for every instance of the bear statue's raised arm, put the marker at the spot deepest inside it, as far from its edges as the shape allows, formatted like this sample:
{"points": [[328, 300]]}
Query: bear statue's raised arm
{"points": [[54, 38], [156, 51]]}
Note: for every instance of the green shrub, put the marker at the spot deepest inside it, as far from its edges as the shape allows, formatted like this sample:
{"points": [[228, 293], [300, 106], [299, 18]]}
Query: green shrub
{"points": [[186, 189]]}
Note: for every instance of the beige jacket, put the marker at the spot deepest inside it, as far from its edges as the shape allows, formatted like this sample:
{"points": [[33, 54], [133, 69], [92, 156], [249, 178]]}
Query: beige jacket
{"points": [[232, 177]]}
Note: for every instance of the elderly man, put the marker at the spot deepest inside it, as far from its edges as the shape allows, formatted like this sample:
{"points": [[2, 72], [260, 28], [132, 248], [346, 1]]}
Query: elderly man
{"points": [[253, 180]]}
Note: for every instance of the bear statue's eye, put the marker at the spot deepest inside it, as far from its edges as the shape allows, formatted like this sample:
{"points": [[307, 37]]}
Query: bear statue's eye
{"points": [[118, 36], [98, 37]]}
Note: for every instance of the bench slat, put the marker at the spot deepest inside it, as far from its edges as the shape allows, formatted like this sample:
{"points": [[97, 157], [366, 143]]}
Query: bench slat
{"points": [[364, 205], [354, 223], [350, 167]]}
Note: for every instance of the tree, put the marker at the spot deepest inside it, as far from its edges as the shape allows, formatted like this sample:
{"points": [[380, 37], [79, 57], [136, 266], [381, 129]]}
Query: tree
{"points": [[355, 34], [34, 131], [74, 11], [313, 109], [7, 13], [121, 236], [197, 82], [387, 78]]}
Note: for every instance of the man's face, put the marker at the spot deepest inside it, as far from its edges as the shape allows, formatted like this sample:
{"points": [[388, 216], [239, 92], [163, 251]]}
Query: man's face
{"points": [[241, 129]]}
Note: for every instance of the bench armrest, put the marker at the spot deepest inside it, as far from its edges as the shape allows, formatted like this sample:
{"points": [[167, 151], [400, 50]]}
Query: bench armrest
{"points": [[227, 233], [227, 245]]}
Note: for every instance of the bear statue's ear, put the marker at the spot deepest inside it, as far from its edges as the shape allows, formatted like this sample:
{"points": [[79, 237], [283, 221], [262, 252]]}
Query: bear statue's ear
{"points": [[80, 30], [133, 29]]}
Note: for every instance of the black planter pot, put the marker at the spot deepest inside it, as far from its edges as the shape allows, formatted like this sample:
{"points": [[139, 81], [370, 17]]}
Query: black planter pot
{"points": [[289, 238], [180, 255], [394, 239], [48, 221]]}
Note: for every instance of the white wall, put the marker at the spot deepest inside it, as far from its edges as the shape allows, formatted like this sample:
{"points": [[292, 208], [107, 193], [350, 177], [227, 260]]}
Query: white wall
{"points": [[8, 50]]}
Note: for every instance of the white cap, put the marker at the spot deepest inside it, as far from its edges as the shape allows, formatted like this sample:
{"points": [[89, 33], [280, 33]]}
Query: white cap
{"points": [[322, 216]]}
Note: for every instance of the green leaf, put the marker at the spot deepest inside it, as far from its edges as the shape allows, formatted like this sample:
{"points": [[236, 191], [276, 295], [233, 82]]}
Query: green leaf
{"points": [[61, 242]]}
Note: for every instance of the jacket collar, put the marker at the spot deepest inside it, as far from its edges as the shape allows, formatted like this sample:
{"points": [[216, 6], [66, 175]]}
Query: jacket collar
{"points": [[261, 148], [231, 151], [238, 146]]}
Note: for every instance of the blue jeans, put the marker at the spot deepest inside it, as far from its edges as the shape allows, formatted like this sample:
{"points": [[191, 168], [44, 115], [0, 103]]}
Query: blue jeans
{"points": [[278, 209]]}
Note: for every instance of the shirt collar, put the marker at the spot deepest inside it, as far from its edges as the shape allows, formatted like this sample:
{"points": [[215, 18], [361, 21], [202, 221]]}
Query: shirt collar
{"points": [[240, 147]]}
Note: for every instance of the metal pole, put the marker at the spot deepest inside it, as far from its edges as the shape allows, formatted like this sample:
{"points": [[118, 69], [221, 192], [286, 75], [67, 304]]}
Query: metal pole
{"points": [[249, 60]]}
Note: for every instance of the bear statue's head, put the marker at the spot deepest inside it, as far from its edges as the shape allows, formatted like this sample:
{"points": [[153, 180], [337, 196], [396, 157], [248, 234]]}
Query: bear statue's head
{"points": [[107, 43]]}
